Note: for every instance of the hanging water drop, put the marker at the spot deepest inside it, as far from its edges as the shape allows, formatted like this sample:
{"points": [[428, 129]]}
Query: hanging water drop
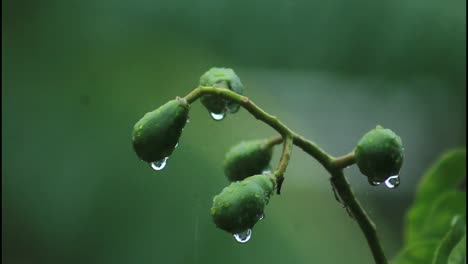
{"points": [[243, 237], [218, 117], [261, 216], [374, 183], [188, 120], [392, 181], [160, 164]]}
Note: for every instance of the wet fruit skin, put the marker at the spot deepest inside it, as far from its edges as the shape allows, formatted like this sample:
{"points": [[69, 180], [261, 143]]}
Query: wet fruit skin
{"points": [[156, 134], [240, 205], [247, 158], [379, 154], [221, 78]]}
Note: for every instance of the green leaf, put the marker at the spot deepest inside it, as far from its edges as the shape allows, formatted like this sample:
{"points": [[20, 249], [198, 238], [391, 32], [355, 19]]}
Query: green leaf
{"points": [[418, 253], [450, 241], [458, 254], [444, 176], [439, 220]]}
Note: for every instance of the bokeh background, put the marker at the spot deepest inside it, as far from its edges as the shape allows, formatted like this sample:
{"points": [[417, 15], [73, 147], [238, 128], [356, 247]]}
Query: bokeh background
{"points": [[76, 76]]}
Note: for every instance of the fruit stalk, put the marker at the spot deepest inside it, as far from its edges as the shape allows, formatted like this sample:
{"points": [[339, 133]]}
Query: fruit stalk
{"points": [[333, 165]]}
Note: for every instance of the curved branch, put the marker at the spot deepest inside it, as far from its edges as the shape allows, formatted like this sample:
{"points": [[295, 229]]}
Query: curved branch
{"points": [[333, 165], [365, 223], [306, 145]]}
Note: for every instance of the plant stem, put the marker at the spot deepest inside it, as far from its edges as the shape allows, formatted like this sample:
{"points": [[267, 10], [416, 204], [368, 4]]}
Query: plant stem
{"points": [[365, 223], [284, 161], [344, 161], [306, 145], [275, 140], [333, 165], [313, 150]]}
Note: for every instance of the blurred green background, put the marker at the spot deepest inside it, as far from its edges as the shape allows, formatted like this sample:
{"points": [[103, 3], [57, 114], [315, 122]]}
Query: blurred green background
{"points": [[76, 76]]}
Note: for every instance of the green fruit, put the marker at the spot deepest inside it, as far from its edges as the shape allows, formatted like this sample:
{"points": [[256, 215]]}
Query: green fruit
{"points": [[157, 133], [240, 205], [221, 78], [379, 154], [247, 158]]}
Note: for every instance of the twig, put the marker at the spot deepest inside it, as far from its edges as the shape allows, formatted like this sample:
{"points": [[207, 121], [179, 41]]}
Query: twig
{"points": [[333, 165]]}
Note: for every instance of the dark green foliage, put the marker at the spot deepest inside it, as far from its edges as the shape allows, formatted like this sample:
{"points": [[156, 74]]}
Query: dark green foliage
{"points": [[247, 158], [240, 205], [454, 236], [379, 154], [435, 229], [438, 188], [222, 78], [157, 133]]}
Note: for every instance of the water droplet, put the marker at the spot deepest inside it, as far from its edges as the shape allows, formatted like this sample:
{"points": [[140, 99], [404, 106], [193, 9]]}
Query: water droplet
{"points": [[160, 164], [266, 171], [374, 183], [176, 145], [392, 181], [188, 120], [243, 237], [218, 117], [261, 216]]}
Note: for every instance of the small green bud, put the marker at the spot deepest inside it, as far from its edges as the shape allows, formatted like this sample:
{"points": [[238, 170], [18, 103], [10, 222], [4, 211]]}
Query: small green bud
{"points": [[247, 158], [241, 204], [379, 154], [222, 78], [157, 133]]}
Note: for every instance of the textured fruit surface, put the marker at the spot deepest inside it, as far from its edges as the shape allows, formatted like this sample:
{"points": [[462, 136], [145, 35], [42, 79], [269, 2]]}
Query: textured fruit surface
{"points": [[379, 154], [223, 78], [156, 134], [247, 158], [240, 205]]}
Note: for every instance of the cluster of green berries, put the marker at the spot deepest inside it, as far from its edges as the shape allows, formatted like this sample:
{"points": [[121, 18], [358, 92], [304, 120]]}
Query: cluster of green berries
{"points": [[240, 205]]}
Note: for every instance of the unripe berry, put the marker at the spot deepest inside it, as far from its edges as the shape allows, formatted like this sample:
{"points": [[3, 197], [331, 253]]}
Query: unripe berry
{"points": [[157, 133], [241, 204], [379, 154], [221, 78], [247, 158]]}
